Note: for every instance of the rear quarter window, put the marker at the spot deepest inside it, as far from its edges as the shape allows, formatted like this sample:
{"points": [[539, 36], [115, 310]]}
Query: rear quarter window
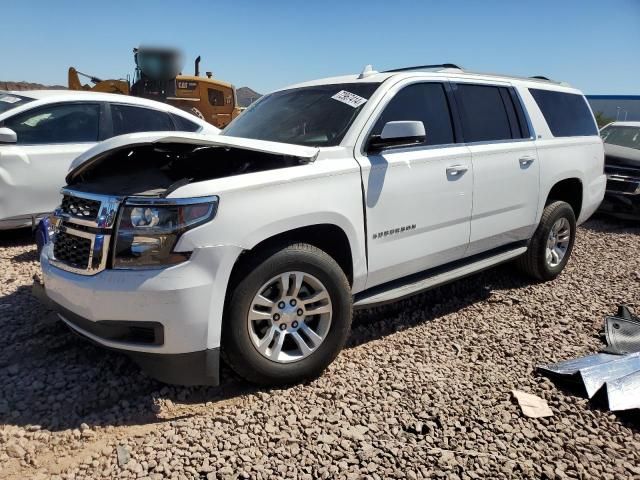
{"points": [[184, 125], [567, 114]]}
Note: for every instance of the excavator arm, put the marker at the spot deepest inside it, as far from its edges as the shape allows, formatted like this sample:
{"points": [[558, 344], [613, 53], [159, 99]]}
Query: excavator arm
{"points": [[105, 86]]}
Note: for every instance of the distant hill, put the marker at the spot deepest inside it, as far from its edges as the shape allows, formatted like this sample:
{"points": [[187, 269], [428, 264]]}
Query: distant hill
{"points": [[28, 86], [246, 96]]}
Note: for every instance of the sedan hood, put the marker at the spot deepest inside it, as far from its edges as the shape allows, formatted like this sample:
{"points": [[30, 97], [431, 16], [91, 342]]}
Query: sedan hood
{"points": [[138, 139]]}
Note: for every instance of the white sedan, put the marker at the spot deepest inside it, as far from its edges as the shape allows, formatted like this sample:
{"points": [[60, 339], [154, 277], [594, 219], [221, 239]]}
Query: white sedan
{"points": [[43, 131]]}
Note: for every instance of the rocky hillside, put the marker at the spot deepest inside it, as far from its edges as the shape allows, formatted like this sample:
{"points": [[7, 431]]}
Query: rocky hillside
{"points": [[27, 86], [246, 96]]}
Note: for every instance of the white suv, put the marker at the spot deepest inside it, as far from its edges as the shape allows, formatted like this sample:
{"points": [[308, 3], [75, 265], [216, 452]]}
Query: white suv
{"points": [[326, 196]]}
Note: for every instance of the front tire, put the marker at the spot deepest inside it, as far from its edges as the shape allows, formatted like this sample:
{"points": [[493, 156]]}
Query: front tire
{"points": [[288, 316], [552, 243]]}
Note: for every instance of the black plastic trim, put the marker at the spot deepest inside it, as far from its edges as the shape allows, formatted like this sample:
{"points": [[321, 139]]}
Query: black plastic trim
{"points": [[116, 330], [416, 277]]}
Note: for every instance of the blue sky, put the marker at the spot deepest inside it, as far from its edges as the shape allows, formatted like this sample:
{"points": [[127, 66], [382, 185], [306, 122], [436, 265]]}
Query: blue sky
{"points": [[592, 44]]}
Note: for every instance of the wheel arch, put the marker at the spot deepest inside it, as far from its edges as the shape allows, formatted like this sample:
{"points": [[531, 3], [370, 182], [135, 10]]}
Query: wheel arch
{"points": [[568, 190], [328, 237]]}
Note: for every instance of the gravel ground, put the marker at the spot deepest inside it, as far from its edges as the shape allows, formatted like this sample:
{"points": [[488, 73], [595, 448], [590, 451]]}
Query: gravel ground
{"points": [[421, 391]]}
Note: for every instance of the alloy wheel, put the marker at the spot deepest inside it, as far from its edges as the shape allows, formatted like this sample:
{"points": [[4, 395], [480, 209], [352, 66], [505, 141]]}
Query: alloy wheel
{"points": [[289, 317]]}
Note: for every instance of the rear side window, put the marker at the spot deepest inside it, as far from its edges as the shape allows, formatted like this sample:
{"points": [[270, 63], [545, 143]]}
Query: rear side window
{"points": [[425, 102], [567, 114], [130, 119], [487, 113], [60, 123], [184, 125]]}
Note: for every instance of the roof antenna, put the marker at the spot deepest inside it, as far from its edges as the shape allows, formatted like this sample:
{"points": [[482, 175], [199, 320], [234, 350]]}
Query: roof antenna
{"points": [[367, 71]]}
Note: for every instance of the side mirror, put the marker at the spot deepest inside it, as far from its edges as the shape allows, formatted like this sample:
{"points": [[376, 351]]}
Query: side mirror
{"points": [[398, 134], [7, 135]]}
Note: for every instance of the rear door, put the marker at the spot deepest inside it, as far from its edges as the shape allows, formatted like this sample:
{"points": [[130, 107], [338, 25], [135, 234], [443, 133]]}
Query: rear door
{"points": [[32, 171], [505, 165], [133, 118], [418, 198]]}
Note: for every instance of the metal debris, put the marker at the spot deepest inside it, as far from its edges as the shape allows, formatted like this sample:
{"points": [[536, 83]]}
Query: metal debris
{"points": [[617, 371], [532, 406], [622, 332]]}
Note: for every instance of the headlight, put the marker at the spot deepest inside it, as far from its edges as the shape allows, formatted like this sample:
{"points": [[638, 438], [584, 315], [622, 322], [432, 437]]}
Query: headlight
{"points": [[148, 229]]}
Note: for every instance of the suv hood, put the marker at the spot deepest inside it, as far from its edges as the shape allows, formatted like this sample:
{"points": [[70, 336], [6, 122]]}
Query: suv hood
{"points": [[617, 156], [98, 152]]}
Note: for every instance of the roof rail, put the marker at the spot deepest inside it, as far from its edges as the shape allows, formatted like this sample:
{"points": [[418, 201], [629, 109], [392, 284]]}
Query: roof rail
{"points": [[541, 77], [424, 67]]}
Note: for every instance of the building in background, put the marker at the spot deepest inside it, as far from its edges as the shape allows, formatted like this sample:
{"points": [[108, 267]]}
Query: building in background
{"points": [[608, 108]]}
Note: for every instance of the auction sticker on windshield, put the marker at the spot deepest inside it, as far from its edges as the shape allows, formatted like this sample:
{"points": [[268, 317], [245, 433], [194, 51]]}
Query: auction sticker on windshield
{"points": [[9, 99], [349, 98]]}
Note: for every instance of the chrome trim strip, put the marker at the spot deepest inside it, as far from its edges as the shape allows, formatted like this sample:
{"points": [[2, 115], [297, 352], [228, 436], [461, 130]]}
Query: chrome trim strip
{"points": [[623, 178], [143, 201], [87, 195]]}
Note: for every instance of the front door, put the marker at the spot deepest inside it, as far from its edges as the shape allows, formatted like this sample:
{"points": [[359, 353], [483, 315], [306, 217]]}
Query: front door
{"points": [[33, 170], [418, 198]]}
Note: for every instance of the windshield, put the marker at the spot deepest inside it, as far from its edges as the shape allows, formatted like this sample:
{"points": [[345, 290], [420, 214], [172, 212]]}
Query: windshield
{"points": [[623, 136], [9, 101], [316, 116]]}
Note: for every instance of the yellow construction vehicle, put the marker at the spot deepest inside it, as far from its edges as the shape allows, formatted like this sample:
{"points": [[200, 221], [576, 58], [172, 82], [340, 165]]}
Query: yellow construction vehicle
{"points": [[158, 77], [106, 86]]}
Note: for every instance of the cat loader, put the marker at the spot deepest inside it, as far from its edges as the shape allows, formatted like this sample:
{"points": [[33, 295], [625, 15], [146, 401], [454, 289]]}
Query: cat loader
{"points": [[158, 77]]}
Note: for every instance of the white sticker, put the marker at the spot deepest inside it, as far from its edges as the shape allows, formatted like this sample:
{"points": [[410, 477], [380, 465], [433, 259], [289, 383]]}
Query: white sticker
{"points": [[349, 98], [9, 99]]}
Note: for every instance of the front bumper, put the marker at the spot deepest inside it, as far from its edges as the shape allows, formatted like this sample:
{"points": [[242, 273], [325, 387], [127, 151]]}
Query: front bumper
{"points": [[622, 206], [168, 320]]}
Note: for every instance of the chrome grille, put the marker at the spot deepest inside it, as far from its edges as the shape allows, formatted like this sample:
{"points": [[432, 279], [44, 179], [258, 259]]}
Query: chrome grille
{"points": [[72, 250], [80, 207], [83, 226]]}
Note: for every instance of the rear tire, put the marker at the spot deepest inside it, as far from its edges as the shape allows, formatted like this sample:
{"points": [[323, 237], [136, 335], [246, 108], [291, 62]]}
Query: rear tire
{"points": [[271, 335], [552, 243]]}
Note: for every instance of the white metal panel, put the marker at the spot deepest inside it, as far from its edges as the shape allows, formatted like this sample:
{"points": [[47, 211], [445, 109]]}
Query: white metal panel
{"points": [[31, 176], [257, 206], [417, 213], [505, 193]]}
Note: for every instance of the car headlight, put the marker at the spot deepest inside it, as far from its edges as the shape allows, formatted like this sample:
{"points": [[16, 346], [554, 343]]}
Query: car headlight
{"points": [[148, 230]]}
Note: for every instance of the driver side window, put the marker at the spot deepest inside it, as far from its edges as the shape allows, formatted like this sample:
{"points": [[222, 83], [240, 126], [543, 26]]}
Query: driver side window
{"points": [[425, 102], [60, 123]]}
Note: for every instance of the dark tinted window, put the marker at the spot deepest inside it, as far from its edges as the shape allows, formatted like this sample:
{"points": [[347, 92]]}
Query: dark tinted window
{"points": [[318, 115], [483, 113], [130, 119], [216, 97], [61, 123], [184, 125], [425, 102], [567, 114]]}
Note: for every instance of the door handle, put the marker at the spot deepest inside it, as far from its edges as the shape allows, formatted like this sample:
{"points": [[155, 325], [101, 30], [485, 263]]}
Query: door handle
{"points": [[526, 161], [456, 170]]}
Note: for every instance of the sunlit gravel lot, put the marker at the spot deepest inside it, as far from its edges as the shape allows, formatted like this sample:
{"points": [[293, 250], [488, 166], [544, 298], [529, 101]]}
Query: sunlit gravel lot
{"points": [[423, 389]]}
